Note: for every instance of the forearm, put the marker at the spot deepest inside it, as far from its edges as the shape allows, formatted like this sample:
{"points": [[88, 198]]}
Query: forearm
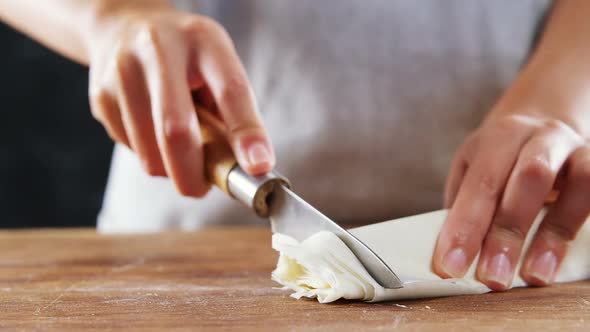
{"points": [[557, 77], [65, 25]]}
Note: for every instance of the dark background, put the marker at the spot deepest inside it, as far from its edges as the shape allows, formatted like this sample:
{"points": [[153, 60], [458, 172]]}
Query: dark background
{"points": [[54, 157]]}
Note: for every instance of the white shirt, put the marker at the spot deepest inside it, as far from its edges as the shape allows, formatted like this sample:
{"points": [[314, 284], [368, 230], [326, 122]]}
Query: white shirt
{"points": [[365, 102]]}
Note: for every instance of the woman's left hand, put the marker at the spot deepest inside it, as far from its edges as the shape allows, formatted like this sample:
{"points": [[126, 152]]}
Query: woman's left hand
{"points": [[534, 141], [498, 184]]}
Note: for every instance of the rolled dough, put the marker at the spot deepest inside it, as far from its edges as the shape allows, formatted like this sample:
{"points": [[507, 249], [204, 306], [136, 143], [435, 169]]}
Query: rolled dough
{"points": [[323, 267]]}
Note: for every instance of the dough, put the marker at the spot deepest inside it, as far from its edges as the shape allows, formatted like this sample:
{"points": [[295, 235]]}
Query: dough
{"points": [[323, 267]]}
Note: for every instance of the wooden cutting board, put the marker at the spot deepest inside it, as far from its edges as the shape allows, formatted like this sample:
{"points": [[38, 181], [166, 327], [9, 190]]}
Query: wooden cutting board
{"points": [[219, 279]]}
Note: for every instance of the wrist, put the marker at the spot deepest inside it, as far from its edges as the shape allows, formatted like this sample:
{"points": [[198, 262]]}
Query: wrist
{"points": [[552, 89], [107, 16]]}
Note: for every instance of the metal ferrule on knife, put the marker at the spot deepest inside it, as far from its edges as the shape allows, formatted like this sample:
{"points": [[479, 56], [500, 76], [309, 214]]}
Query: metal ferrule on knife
{"points": [[255, 191]]}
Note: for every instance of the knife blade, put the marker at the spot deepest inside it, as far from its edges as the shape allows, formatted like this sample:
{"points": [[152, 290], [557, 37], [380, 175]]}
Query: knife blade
{"points": [[270, 197], [291, 215]]}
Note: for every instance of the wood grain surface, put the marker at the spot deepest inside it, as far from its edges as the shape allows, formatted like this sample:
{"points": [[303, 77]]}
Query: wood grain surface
{"points": [[219, 279]]}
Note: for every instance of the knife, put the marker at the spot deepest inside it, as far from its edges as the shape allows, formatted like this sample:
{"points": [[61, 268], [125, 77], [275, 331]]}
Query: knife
{"points": [[270, 196]]}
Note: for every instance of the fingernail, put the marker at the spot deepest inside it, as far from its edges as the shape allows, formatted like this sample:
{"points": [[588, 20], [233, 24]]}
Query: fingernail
{"points": [[454, 262], [544, 267], [499, 270], [258, 154]]}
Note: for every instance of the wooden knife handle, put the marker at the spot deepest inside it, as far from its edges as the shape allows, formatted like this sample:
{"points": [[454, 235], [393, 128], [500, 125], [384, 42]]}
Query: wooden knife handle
{"points": [[219, 157]]}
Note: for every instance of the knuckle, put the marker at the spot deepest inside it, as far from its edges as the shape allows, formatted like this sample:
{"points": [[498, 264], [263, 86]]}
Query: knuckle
{"points": [[507, 232], [490, 185], [537, 168], [203, 29], [554, 124], [235, 88], [176, 131], [250, 129], [470, 231], [558, 231], [461, 237], [509, 124], [563, 129], [149, 32], [148, 39], [123, 64], [205, 26]]}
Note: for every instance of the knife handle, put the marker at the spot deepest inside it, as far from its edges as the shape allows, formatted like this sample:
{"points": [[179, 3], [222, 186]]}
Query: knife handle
{"points": [[222, 169], [219, 157]]}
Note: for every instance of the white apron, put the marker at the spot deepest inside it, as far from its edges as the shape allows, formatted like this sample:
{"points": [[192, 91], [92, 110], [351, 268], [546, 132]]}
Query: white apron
{"points": [[365, 102]]}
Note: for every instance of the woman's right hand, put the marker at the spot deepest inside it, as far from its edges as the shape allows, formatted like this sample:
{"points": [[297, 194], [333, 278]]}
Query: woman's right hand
{"points": [[146, 59]]}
